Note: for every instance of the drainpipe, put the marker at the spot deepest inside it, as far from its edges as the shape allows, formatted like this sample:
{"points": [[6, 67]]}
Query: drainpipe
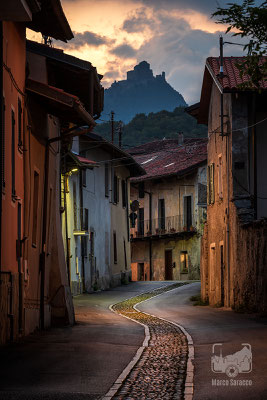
{"points": [[82, 219], [254, 155], [150, 240], [222, 134], [1, 138], [66, 227], [44, 232]]}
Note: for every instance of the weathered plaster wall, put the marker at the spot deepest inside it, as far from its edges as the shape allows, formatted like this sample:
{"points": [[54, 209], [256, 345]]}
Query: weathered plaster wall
{"points": [[172, 190], [245, 287]]}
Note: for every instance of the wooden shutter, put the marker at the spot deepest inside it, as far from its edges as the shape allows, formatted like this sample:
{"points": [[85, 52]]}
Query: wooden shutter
{"points": [[212, 194]]}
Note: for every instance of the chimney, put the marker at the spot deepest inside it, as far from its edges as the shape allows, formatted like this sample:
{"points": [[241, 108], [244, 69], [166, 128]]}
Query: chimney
{"points": [[180, 138]]}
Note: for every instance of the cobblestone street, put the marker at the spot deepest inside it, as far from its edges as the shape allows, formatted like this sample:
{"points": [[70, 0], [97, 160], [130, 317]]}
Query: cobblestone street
{"points": [[161, 370]]}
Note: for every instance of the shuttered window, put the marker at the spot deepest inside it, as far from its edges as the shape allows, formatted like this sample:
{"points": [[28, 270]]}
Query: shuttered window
{"points": [[210, 186]]}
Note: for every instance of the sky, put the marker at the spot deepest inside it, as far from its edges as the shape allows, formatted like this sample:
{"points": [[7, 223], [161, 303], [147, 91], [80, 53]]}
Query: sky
{"points": [[175, 36]]}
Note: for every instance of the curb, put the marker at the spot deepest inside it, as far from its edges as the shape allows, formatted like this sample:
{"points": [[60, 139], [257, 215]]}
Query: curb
{"points": [[189, 384]]}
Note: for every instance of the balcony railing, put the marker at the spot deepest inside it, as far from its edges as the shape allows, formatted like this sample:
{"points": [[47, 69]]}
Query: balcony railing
{"points": [[163, 226]]}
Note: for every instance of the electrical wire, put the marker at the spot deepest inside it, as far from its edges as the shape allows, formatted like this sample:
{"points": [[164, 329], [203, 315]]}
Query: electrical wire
{"points": [[252, 195], [240, 129], [13, 79]]}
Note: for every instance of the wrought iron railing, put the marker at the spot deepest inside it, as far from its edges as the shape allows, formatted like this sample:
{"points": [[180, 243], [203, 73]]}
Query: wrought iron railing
{"points": [[164, 226]]}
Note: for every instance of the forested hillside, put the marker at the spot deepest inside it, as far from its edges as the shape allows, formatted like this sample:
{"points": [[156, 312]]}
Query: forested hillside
{"points": [[143, 129]]}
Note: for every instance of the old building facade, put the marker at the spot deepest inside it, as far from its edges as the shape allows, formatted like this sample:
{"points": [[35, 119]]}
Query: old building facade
{"points": [[38, 112], [167, 224], [234, 256], [97, 214]]}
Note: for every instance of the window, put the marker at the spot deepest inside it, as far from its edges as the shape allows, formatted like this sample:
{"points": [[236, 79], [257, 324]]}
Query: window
{"points": [[13, 172], [115, 189], [161, 213], [35, 207], [84, 241], [124, 193], [19, 123], [210, 186], [220, 181], [187, 212], [3, 144], [85, 219], [141, 221], [106, 180], [141, 190], [184, 261], [212, 266], [74, 206], [115, 248], [83, 172]]}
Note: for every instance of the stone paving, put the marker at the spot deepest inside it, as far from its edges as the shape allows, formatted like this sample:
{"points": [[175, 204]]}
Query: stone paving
{"points": [[161, 370]]}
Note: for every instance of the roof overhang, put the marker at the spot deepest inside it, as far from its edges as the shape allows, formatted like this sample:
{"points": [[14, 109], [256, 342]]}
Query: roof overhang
{"points": [[59, 103], [72, 74], [51, 21], [74, 161], [18, 10], [123, 158]]}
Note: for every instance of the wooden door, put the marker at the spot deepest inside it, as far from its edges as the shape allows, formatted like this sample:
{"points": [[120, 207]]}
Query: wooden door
{"points": [[168, 265]]}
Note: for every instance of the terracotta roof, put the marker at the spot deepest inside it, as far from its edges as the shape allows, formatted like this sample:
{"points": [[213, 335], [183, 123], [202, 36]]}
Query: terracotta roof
{"points": [[231, 78], [162, 158], [86, 161]]}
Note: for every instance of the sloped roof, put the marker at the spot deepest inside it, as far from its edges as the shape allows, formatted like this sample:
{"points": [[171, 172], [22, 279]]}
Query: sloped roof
{"points": [[228, 84], [117, 155], [231, 78], [163, 158]]}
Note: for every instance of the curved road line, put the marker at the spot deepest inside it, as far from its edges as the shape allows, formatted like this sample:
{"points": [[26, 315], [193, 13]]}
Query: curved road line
{"points": [[189, 381]]}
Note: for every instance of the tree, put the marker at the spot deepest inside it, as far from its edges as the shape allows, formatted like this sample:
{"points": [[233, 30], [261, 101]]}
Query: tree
{"points": [[248, 20]]}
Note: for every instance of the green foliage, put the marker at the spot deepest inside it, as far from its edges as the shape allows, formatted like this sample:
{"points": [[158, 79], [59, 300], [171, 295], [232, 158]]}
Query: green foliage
{"points": [[145, 128], [251, 22], [198, 301]]}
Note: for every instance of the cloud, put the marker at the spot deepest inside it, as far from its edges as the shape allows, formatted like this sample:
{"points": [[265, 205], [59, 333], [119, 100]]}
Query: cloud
{"points": [[137, 21], [124, 51], [86, 38], [181, 52]]}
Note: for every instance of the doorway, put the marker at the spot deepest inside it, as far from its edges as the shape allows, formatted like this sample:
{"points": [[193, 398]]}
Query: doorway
{"points": [[141, 271], [168, 265]]}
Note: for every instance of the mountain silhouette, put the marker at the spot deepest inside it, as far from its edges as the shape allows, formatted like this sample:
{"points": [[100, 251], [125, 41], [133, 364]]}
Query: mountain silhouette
{"points": [[141, 92]]}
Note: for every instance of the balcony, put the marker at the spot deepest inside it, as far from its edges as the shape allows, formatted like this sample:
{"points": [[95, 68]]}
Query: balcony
{"points": [[168, 226]]}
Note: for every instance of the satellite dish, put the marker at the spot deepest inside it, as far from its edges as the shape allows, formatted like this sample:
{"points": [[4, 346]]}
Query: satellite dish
{"points": [[134, 205]]}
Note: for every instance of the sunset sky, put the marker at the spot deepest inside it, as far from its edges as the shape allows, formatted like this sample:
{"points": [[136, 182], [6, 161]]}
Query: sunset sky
{"points": [[175, 36]]}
